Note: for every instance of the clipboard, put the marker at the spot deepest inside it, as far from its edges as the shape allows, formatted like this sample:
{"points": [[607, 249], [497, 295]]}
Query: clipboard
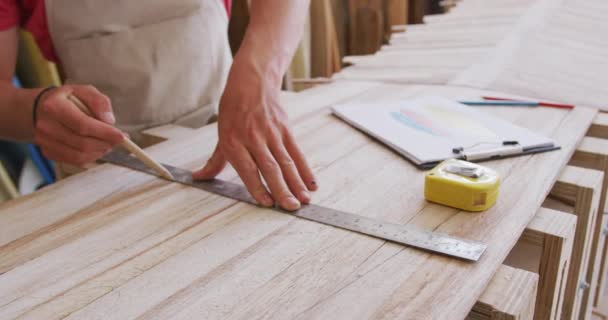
{"points": [[431, 129]]}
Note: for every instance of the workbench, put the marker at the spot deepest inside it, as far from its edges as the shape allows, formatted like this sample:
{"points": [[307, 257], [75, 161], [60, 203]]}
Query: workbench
{"points": [[111, 243]]}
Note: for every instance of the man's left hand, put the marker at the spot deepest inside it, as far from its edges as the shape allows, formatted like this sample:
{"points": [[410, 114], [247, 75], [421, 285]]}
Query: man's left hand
{"points": [[255, 138]]}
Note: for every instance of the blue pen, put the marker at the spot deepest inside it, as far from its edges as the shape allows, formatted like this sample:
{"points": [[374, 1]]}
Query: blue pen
{"points": [[501, 103]]}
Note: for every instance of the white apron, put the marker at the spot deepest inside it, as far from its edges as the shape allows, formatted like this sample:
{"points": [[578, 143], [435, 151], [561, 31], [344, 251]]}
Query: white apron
{"points": [[159, 61]]}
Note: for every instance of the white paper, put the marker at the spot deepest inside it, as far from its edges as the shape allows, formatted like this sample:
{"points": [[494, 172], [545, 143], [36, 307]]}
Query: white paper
{"points": [[427, 129]]}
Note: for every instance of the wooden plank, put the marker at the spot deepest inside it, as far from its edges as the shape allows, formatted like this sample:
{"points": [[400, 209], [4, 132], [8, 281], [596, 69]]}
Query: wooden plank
{"points": [[366, 26], [600, 304], [599, 128], [598, 316], [325, 53], [510, 295], [396, 12], [581, 188], [601, 312], [417, 9], [545, 247], [140, 247], [593, 153]]}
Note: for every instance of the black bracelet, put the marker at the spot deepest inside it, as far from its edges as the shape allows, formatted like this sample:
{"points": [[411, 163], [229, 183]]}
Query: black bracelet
{"points": [[35, 107]]}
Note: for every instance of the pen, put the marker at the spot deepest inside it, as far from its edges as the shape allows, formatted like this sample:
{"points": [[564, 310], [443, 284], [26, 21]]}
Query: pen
{"points": [[539, 103], [501, 103]]}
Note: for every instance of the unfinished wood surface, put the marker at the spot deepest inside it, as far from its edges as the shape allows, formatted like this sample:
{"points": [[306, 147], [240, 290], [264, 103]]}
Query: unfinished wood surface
{"points": [[598, 316], [580, 188], [509, 296], [570, 73], [544, 49], [140, 247], [325, 52], [599, 128], [593, 153], [473, 24], [600, 304], [396, 12], [416, 11], [601, 311], [545, 247], [602, 283], [366, 26]]}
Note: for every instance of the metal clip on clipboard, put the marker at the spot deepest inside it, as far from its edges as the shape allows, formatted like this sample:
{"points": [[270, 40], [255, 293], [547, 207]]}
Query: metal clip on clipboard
{"points": [[506, 148]]}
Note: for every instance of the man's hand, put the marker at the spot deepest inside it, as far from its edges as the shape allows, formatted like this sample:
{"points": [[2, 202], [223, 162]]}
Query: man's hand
{"points": [[67, 134], [254, 138]]}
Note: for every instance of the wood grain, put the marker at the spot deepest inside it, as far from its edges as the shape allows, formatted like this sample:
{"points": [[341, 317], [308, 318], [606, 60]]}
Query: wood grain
{"points": [[581, 188], [325, 51], [545, 247], [599, 128], [509, 296]]}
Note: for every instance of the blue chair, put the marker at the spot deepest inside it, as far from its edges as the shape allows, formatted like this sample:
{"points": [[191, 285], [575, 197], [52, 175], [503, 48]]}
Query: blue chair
{"points": [[44, 165]]}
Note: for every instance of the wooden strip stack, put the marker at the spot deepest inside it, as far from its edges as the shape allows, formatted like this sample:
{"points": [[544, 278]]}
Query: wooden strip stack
{"points": [[536, 48]]}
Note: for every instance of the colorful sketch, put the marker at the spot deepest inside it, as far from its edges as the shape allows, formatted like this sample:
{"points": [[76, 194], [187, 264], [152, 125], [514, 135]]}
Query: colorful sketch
{"points": [[416, 121], [443, 121]]}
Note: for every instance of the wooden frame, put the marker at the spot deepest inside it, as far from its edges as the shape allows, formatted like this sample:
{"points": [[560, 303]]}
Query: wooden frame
{"points": [[545, 247], [577, 191], [593, 153], [510, 295]]}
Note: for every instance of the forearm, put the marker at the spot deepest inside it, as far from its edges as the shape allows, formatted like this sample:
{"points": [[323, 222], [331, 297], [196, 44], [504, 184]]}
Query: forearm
{"points": [[16, 112], [273, 34]]}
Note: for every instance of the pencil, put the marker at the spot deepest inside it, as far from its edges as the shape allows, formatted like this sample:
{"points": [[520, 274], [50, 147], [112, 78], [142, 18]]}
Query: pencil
{"points": [[129, 145], [501, 103], [540, 103]]}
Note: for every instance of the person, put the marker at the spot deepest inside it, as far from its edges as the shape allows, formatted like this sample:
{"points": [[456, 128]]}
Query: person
{"points": [[138, 66]]}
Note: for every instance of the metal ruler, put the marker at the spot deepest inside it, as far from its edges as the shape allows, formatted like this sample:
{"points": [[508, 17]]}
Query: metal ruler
{"points": [[403, 234]]}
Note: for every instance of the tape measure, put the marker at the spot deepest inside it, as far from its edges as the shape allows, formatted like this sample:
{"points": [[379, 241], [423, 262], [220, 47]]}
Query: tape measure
{"points": [[463, 185], [403, 234]]}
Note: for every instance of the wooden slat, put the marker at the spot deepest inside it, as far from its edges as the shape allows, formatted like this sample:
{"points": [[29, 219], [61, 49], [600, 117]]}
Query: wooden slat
{"points": [[366, 25], [510, 295], [581, 188], [593, 153], [599, 128], [417, 9], [601, 299], [545, 248], [325, 52], [396, 12]]}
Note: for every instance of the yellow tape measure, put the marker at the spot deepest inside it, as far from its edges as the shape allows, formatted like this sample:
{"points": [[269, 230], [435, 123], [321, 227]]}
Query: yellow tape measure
{"points": [[463, 185]]}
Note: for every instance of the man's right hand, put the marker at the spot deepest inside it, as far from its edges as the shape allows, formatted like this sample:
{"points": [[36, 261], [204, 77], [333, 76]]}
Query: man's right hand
{"points": [[66, 134]]}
